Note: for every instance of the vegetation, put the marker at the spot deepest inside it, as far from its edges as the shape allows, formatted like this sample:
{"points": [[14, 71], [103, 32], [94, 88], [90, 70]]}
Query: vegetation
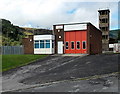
{"points": [[13, 61], [119, 34], [114, 36], [12, 35], [37, 31]]}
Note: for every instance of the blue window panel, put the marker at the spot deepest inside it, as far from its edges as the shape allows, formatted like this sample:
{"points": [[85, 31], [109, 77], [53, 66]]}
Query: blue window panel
{"points": [[36, 45], [41, 40], [47, 45], [52, 44], [36, 40], [41, 45], [47, 40]]}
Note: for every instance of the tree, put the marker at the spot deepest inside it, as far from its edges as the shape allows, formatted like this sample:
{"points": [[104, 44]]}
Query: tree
{"points": [[119, 34]]}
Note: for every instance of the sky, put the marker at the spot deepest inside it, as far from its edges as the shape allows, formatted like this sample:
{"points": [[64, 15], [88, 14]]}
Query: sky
{"points": [[46, 13]]}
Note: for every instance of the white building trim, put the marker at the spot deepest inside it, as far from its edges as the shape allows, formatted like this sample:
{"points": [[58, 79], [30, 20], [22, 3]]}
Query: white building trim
{"points": [[44, 37]]}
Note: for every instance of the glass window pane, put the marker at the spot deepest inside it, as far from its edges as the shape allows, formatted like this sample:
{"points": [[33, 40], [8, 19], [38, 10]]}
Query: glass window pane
{"points": [[41, 45], [41, 40], [36, 40], [72, 45], [78, 45], [36, 45], [47, 45], [84, 45], [52, 43], [66, 45], [47, 40]]}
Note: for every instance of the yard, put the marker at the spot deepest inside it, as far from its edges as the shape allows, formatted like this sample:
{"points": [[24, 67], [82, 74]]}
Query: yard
{"points": [[59, 73], [13, 61]]}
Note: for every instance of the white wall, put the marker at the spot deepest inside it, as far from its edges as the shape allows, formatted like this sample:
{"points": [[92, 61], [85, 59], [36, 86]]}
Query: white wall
{"points": [[115, 46], [43, 51], [111, 45]]}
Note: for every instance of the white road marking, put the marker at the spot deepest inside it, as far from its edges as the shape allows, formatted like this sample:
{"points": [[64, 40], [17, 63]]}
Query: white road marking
{"points": [[88, 62]]}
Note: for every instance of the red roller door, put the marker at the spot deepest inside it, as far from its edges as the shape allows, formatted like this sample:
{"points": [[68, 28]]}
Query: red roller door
{"points": [[75, 42]]}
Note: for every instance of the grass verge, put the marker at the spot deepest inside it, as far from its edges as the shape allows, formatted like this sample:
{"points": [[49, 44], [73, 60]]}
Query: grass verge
{"points": [[13, 61]]}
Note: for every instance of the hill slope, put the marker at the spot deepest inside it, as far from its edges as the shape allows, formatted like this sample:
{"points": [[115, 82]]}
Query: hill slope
{"points": [[12, 35], [114, 34]]}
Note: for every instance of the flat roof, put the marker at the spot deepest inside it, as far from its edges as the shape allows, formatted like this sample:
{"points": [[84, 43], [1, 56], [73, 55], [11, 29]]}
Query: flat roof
{"points": [[101, 10], [73, 23]]}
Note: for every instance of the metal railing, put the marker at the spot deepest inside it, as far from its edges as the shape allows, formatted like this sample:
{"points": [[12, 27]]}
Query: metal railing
{"points": [[11, 50]]}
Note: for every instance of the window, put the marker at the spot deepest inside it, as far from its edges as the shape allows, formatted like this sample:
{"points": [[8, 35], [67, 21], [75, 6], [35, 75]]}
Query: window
{"points": [[84, 44], [78, 44], [41, 43], [47, 43], [36, 45], [104, 28], [105, 20], [104, 36], [52, 43], [72, 45], [66, 45]]}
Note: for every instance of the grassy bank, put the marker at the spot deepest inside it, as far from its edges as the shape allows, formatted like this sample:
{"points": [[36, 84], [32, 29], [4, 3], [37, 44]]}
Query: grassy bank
{"points": [[13, 61]]}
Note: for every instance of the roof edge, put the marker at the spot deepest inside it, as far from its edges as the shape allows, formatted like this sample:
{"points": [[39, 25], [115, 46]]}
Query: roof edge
{"points": [[72, 23]]}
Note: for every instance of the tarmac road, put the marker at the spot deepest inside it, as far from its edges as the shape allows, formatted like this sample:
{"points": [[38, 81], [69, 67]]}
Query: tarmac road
{"points": [[60, 68], [108, 83]]}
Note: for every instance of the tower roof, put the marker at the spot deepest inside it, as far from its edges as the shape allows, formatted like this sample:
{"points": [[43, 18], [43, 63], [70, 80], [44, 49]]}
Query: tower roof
{"points": [[102, 10]]}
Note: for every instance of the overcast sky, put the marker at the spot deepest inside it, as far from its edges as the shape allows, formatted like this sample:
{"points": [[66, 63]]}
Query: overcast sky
{"points": [[45, 13]]}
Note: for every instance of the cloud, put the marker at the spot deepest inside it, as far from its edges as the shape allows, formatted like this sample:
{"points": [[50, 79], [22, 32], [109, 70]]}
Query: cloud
{"points": [[45, 13]]}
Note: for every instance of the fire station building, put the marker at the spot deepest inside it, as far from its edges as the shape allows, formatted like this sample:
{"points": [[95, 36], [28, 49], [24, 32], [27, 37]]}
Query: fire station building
{"points": [[74, 38], [77, 38]]}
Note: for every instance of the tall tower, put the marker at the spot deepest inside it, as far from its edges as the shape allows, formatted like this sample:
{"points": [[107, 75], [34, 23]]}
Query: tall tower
{"points": [[104, 22]]}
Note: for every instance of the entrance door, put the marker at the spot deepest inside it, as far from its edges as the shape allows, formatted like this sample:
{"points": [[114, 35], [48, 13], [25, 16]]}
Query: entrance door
{"points": [[60, 47]]}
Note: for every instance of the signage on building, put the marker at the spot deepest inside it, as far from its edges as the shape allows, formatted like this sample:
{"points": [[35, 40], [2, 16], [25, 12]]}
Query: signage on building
{"points": [[75, 27], [59, 27]]}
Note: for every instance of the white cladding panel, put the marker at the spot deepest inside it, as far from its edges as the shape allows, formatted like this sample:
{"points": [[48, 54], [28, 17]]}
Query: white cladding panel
{"points": [[116, 47], [75, 27], [44, 37], [111, 45], [44, 51], [59, 27]]}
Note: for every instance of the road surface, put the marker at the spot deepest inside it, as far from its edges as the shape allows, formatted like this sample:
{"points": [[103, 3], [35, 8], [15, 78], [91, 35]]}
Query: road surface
{"points": [[56, 73]]}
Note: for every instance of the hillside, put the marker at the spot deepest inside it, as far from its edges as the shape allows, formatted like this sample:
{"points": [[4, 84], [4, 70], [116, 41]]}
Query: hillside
{"points": [[114, 33], [114, 36], [12, 35], [36, 31]]}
